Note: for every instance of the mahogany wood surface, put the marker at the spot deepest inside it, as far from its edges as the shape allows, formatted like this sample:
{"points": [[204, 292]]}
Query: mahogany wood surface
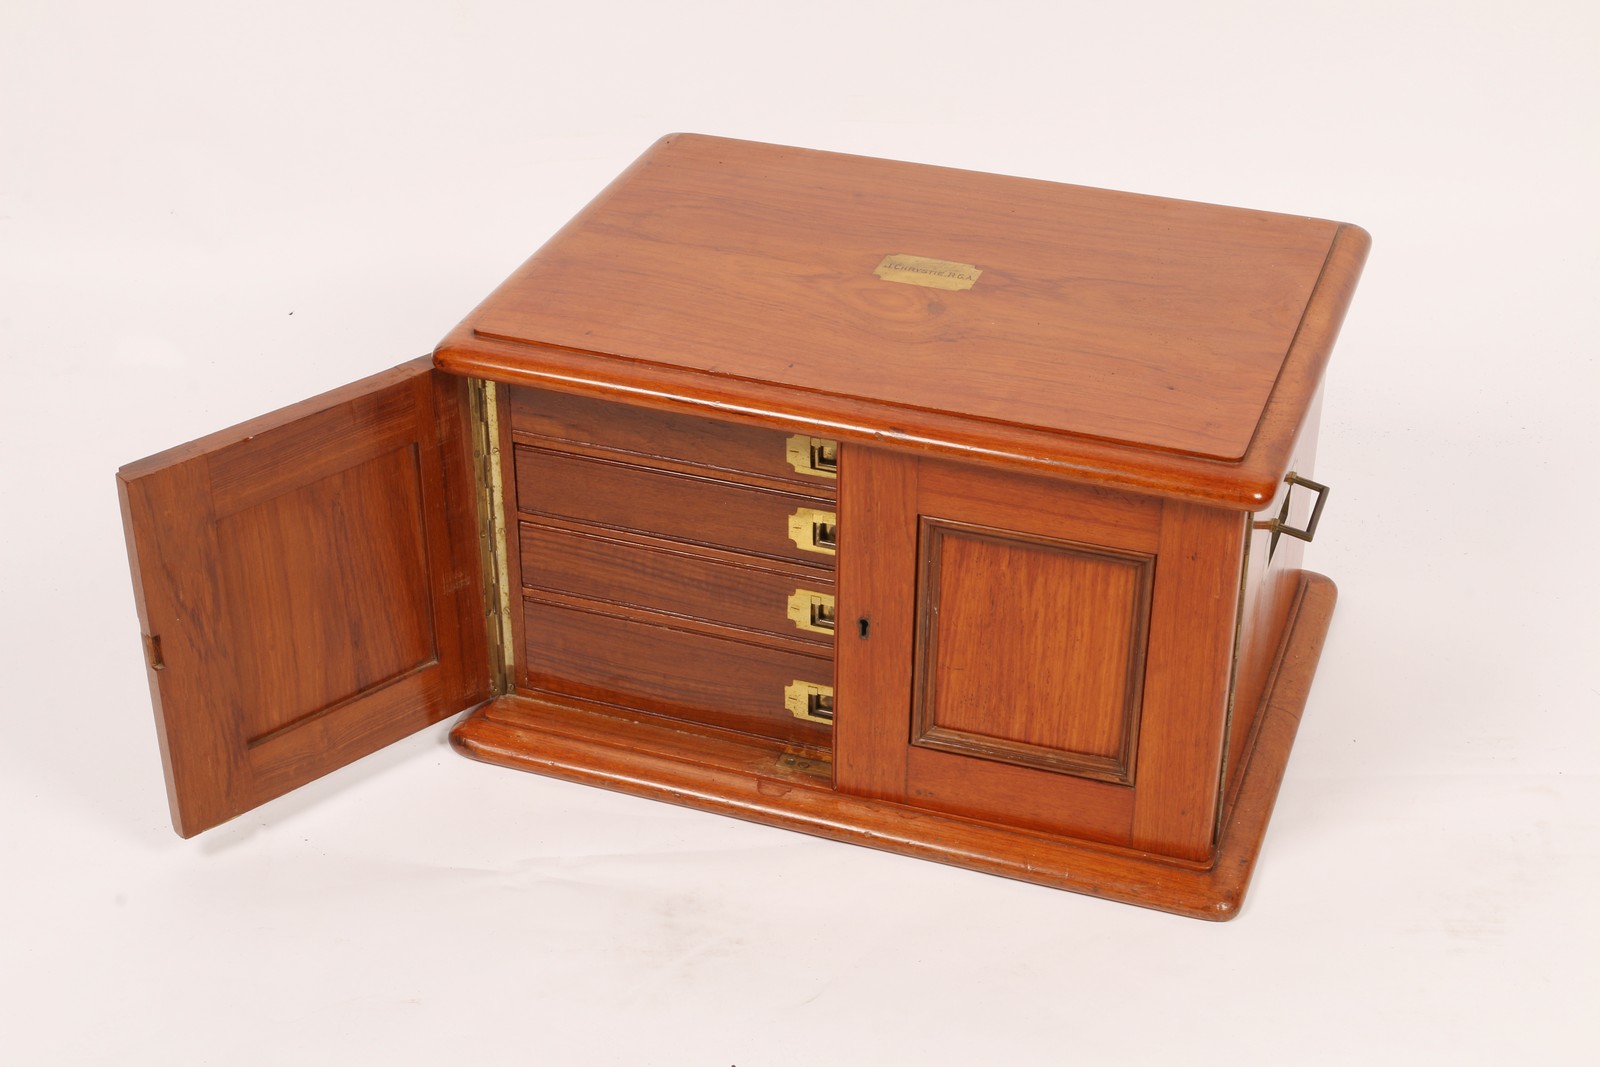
{"points": [[603, 747], [308, 586], [733, 685], [1266, 596], [758, 261], [1033, 650], [1064, 511], [651, 437], [1192, 624], [1061, 651], [874, 647], [1172, 755], [663, 578], [1063, 805], [694, 510], [353, 646], [1146, 343]]}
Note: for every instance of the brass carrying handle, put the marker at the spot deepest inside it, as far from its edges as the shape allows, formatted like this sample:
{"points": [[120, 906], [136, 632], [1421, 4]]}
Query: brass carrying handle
{"points": [[1280, 525]]}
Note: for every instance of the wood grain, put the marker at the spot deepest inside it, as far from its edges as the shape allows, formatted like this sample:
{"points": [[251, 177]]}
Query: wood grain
{"points": [[693, 510], [758, 261], [1175, 762], [668, 580], [875, 647], [1001, 621], [1061, 653], [1270, 586], [313, 590], [1115, 338], [1065, 806], [311, 616], [594, 746], [657, 438], [732, 685], [1192, 619], [1033, 650]]}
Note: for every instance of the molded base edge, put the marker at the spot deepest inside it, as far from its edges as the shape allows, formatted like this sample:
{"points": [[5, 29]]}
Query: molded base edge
{"points": [[609, 747]]}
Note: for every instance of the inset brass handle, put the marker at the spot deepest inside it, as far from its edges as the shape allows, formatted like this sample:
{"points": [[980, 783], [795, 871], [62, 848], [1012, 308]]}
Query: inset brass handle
{"points": [[814, 531], [813, 455], [811, 611], [809, 701]]}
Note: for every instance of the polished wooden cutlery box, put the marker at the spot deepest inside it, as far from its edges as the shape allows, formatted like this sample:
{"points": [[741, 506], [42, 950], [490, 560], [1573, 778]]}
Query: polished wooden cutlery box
{"points": [[946, 513]]}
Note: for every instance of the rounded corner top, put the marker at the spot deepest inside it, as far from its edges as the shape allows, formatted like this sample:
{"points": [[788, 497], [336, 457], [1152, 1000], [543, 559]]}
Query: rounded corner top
{"points": [[1359, 236]]}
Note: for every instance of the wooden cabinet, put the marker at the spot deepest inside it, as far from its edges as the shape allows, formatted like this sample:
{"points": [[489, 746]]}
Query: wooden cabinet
{"points": [[935, 511]]}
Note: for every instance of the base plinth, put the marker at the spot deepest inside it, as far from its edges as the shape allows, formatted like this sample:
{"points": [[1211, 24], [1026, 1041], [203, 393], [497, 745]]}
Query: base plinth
{"points": [[608, 747]]}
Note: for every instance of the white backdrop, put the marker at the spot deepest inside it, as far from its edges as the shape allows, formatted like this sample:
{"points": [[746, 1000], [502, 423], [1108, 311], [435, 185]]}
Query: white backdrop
{"points": [[208, 210]]}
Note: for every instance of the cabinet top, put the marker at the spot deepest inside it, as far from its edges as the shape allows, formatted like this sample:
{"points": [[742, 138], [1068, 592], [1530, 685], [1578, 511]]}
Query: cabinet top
{"points": [[1149, 343]]}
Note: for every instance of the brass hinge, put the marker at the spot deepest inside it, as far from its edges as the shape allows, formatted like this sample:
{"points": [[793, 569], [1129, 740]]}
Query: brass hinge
{"points": [[485, 412]]}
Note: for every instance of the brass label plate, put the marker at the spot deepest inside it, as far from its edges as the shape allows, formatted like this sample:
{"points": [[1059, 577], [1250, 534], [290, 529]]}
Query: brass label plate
{"points": [[933, 273]]}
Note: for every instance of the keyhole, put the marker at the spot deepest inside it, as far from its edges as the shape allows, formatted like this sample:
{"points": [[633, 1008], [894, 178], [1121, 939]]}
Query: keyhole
{"points": [[863, 624]]}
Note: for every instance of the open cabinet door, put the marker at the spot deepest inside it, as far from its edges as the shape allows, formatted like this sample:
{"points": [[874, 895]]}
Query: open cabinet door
{"points": [[309, 588]]}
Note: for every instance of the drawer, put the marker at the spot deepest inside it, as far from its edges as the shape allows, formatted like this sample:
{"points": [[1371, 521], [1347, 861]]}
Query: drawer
{"points": [[681, 507], [794, 603], [646, 435], [715, 682]]}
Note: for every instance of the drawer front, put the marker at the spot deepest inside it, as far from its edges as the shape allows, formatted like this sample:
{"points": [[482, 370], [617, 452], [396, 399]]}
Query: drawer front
{"points": [[687, 676], [680, 507], [596, 567], [647, 435]]}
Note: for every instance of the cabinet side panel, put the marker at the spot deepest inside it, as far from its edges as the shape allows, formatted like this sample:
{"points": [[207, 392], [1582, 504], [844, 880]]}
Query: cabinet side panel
{"points": [[1192, 623], [1271, 585]]}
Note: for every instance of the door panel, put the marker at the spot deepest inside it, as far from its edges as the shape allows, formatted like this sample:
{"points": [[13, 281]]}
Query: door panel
{"points": [[309, 588], [1032, 650], [1067, 650]]}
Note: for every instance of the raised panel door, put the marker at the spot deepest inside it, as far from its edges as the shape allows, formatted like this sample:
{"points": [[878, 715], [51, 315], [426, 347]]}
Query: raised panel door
{"points": [[1053, 656]]}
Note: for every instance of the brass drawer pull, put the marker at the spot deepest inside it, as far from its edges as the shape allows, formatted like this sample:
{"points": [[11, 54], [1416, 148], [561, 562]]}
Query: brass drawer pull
{"points": [[809, 701], [814, 531], [813, 455], [811, 611]]}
